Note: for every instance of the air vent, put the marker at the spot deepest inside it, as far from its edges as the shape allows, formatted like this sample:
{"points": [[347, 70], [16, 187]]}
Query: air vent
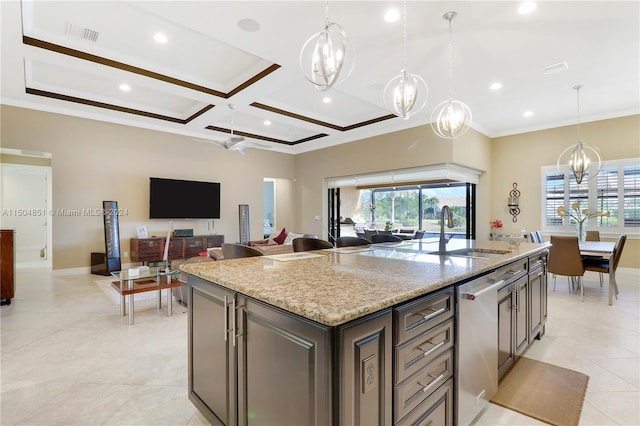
{"points": [[554, 68], [81, 32]]}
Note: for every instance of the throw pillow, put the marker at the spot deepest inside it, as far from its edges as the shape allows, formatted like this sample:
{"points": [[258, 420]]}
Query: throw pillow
{"points": [[281, 237], [291, 236]]}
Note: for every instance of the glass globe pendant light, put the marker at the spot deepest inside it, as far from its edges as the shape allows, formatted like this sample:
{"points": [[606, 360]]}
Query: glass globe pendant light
{"points": [[405, 94], [327, 57], [581, 156], [450, 118]]}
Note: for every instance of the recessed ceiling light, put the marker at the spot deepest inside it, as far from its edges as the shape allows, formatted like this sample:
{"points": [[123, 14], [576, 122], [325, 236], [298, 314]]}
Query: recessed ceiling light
{"points": [[391, 15], [267, 123], [249, 25], [495, 86], [527, 7], [527, 114], [160, 38], [326, 99], [125, 87]]}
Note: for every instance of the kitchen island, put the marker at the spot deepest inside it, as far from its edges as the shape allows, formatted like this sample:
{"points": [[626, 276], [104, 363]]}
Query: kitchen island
{"points": [[331, 336]]}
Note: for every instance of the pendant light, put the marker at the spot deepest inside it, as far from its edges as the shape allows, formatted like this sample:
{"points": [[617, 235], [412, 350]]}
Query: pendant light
{"points": [[327, 57], [577, 159], [405, 94], [451, 118]]}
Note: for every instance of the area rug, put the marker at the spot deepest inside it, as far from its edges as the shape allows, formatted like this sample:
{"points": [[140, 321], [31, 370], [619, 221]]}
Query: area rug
{"points": [[114, 296], [543, 391]]}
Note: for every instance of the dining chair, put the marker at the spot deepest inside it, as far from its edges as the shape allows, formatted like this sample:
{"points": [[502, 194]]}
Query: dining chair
{"points": [[418, 235], [351, 241], [385, 238], [534, 237], [237, 251], [369, 232], [564, 259], [593, 236], [608, 266], [309, 244]]}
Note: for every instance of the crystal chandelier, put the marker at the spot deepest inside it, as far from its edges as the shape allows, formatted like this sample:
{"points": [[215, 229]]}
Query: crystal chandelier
{"points": [[328, 56], [576, 159], [405, 94], [451, 118]]}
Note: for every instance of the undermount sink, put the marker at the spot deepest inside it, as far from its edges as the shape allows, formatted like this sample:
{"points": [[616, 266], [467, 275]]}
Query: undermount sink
{"points": [[472, 252]]}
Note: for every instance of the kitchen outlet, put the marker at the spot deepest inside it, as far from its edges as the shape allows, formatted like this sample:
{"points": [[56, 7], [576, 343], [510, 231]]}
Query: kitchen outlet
{"points": [[126, 254], [369, 373]]}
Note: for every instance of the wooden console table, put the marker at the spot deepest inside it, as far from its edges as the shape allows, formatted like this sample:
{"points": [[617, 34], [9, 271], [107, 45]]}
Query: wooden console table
{"points": [[7, 266], [152, 249], [155, 279]]}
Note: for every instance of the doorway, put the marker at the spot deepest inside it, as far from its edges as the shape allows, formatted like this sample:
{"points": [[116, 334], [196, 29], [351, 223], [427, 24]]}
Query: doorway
{"points": [[26, 207]]}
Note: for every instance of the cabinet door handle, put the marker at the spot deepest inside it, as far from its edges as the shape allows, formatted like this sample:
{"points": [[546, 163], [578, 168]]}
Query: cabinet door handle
{"points": [[226, 318], [233, 320], [434, 348], [436, 380], [518, 289], [427, 317]]}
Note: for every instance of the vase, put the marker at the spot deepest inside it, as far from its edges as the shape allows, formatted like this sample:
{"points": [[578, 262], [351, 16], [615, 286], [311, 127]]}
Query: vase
{"points": [[581, 230]]}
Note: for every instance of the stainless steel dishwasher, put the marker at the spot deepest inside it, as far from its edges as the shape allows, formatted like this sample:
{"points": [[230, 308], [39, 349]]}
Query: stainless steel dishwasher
{"points": [[477, 348]]}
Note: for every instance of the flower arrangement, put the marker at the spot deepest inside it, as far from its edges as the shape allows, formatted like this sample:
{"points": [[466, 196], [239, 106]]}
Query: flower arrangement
{"points": [[496, 224], [580, 216]]}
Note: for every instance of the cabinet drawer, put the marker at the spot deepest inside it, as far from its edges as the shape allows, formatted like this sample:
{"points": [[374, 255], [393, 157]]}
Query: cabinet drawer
{"points": [[175, 249], [435, 410], [420, 351], [414, 318], [193, 247], [146, 249], [512, 271], [214, 241], [537, 261], [421, 385]]}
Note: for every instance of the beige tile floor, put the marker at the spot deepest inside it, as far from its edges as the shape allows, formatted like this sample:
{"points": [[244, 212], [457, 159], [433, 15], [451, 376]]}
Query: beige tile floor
{"points": [[68, 358]]}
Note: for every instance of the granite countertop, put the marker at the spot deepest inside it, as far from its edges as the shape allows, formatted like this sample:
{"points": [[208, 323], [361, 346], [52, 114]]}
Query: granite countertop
{"points": [[335, 286]]}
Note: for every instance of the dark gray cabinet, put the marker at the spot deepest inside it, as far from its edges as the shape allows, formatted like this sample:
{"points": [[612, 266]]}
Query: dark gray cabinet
{"points": [[212, 353], [252, 363], [363, 361], [521, 314], [283, 367], [522, 310], [537, 295], [513, 313], [424, 359]]}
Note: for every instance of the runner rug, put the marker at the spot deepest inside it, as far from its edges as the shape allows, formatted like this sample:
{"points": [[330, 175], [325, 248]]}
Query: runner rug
{"points": [[543, 391]]}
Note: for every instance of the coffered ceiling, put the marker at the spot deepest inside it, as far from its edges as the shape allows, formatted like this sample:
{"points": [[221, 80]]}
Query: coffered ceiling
{"points": [[72, 58]]}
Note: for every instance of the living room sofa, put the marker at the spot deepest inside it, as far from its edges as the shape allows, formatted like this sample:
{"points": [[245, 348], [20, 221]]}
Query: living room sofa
{"points": [[278, 242]]}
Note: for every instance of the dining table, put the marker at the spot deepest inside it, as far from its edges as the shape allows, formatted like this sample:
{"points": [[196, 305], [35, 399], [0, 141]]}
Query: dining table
{"points": [[605, 249], [597, 247]]}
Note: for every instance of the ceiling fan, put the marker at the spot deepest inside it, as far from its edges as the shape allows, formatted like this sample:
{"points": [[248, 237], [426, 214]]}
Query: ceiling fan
{"points": [[235, 143]]}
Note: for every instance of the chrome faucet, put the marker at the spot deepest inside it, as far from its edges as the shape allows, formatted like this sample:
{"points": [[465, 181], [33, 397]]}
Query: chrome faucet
{"points": [[443, 241]]}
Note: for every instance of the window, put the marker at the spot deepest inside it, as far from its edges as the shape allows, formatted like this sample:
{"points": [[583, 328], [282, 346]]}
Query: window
{"points": [[615, 189], [418, 207]]}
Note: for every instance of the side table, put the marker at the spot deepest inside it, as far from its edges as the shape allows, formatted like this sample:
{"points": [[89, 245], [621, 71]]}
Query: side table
{"points": [[153, 279]]}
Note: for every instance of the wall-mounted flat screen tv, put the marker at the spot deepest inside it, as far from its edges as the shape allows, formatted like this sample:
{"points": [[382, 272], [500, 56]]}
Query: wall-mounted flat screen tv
{"points": [[183, 199]]}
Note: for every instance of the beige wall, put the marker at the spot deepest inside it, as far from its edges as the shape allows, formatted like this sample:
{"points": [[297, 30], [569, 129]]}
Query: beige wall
{"points": [[519, 158], [95, 161], [408, 148]]}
